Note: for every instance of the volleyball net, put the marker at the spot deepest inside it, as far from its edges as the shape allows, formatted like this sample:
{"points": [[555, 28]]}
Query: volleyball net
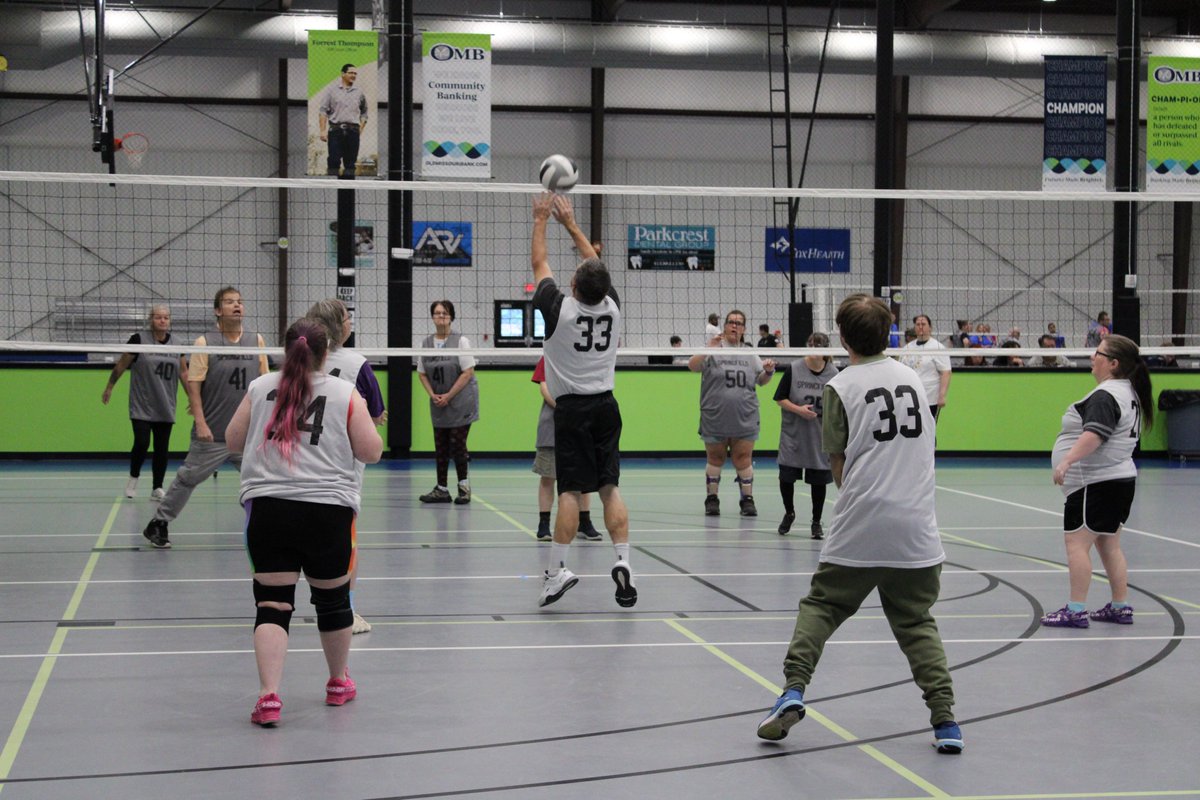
{"points": [[86, 256]]}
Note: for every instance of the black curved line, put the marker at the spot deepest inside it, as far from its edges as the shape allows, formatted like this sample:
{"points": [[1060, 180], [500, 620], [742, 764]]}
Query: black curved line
{"points": [[1177, 632], [699, 580]]}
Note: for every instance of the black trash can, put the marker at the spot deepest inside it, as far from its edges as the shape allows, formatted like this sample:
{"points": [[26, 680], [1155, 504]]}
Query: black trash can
{"points": [[1182, 407]]}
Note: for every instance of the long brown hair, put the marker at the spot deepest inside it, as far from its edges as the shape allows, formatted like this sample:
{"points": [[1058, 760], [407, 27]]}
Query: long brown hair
{"points": [[1130, 367]]}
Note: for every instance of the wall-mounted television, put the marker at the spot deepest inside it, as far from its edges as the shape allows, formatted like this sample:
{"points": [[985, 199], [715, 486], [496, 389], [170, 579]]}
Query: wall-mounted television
{"points": [[516, 323]]}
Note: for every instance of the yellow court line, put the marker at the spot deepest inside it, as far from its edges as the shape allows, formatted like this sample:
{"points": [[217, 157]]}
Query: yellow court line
{"points": [[510, 520], [17, 735], [845, 735]]}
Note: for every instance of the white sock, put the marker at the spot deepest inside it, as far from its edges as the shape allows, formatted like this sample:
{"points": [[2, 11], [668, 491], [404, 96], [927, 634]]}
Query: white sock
{"points": [[622, 551], [558, 557]]}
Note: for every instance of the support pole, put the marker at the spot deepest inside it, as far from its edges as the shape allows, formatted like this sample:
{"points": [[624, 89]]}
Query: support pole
{"points": [[345, 206], [400, 168], [884, 120], [1126, 312]]}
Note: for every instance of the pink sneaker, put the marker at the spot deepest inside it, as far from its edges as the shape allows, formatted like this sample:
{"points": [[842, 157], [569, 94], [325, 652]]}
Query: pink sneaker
{"points": [[266, 710], [339, 691]]}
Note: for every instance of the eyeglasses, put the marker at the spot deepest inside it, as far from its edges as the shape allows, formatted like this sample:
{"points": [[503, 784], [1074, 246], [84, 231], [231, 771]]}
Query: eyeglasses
{"points": [[735, 323], [440, 314], [1106, 355]]}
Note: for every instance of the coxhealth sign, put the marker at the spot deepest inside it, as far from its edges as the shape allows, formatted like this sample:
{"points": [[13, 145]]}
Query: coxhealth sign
{"points": [[815, 250], [683, 247], [441, 244]]}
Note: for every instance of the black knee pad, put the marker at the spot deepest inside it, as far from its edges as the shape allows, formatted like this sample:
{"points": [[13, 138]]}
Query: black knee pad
{"points": [[274, 594], [333, 607]]}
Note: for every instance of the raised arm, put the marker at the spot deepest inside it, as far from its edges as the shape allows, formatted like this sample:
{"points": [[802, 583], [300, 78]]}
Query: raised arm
{"points": [[538, 256], [565, 214]]}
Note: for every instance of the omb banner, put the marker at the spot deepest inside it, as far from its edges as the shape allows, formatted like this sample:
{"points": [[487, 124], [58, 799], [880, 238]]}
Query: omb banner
{"points": [[456, 114], [679, 247], [1173, 124], [343, 82], [1074, 139], [815, 250]]}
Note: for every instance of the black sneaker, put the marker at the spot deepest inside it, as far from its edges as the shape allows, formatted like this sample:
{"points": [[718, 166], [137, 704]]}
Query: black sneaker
{"points": [[543, 532], [589, 532], [437, 495], [156, 532], [786, 524], [748, 507], [464, 495], [817, 531], [712, 506]]}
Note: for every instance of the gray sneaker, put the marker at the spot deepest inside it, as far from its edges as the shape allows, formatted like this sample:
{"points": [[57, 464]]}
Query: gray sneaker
{"points": [[817, 531], [437, 495], [464, 494]]}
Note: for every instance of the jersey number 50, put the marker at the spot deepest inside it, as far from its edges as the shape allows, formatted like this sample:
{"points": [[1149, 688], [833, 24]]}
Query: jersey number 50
{"points": [[911, 427]]}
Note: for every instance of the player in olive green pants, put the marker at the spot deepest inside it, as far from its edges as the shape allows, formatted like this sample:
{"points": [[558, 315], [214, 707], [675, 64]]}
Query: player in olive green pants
{"points": [[907, 595]]}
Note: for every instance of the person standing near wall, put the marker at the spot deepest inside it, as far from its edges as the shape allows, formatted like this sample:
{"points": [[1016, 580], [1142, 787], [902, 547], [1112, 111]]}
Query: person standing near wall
{"points": [[582, 331], [729, 420], [453, 403], [215, 387], [930, 362], [878, 431], [1093, 463], [153, 386]]}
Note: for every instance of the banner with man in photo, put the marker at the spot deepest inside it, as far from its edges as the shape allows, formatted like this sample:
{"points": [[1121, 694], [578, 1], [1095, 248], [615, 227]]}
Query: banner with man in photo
{"points": [[343, 84], [1074, 138], [456, 109], [1173, 124]]}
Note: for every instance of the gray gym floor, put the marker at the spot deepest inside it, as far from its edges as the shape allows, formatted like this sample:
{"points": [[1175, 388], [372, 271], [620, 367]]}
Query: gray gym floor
{"points": [[128, 672]]}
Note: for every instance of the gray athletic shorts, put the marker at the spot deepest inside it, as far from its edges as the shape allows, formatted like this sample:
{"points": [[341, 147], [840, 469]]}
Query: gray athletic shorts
{"points": [[543, 462]]}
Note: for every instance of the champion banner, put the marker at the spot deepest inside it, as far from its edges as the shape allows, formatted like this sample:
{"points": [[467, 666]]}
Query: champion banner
{"points": [[1074, 152], [456, 111], [1173, 124], [343, 123]]}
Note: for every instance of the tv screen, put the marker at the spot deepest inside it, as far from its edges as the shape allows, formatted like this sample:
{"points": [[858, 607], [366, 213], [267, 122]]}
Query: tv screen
{"points": [[539, 326], [512, 323]]}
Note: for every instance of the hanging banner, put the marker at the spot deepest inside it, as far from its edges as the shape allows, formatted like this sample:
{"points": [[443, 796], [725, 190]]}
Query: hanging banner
{"points": [[441, 244], [1173, 124], [343, 83], [456, 111], [1074, 139], [679, 247], [815, 250]]}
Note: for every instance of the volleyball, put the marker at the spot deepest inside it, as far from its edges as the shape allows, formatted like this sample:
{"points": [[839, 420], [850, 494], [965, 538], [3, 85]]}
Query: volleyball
{"points": [[559, 173]]}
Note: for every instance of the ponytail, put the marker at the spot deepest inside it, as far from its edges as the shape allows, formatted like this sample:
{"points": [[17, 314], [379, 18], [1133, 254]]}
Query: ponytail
{"points": [[1130, 367], [305, 346]]}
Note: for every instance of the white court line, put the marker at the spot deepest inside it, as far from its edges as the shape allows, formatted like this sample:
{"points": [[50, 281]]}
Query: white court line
{"points": [[603, 646], [1058, 513], [528, 577]]}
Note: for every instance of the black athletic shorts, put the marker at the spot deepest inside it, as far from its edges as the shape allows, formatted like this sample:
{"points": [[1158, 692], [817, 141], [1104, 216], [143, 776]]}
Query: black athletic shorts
{"points": [[293, 536], [1100, 507], [813, 477], [587, 442]]}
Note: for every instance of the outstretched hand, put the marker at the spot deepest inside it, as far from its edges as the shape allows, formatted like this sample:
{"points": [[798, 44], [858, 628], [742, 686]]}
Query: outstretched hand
{"points": [[541, 206], [562, 209]]}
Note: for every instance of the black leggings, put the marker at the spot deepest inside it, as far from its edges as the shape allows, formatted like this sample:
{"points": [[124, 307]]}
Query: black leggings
{"points": [[451, 443], [141, 445]]}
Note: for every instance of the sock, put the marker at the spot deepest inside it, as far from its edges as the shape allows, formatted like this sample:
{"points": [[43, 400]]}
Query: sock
{"points": [[818, 501], [1115, 604], [787, 490], [745, 477], [622, 551], [443, 488], [712, 478], [585, 520], [543, 517], [1076, 607], [464, 484], [558, 556]]}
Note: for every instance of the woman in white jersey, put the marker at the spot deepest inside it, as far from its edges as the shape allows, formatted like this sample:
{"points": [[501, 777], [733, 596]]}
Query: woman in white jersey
{"points": [[800, 453], [1093, 463], [302, 434], [352, 367], [453, 403], [153, 385], [729, 410]]}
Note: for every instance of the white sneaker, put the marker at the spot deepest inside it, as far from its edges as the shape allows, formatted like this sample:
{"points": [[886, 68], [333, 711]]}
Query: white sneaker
{"points": [[360, 625], [158, 494], [131, 487], [622, 575], [555, 585]]}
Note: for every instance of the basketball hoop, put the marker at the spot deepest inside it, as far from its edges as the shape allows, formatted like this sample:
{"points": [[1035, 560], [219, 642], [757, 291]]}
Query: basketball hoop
{"points": [[134, 146]]}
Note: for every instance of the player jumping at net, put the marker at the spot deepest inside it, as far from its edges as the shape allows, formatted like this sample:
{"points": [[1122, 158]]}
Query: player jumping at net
{"points": [[215, 386], [304, 434], [878, 431], [582, 331]]}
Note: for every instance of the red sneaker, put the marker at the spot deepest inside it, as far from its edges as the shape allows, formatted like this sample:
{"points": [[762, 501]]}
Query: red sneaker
{"points": [[266, 710], [339, 691]]}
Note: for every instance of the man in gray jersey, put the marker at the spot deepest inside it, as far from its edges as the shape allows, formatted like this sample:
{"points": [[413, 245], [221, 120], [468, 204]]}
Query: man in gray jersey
{"points": [[341, 120], [215, 387], [878, 431], [582, 332]]}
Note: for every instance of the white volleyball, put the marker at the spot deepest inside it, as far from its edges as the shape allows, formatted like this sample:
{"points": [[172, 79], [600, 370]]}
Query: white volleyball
{"points": [[559, 173]]}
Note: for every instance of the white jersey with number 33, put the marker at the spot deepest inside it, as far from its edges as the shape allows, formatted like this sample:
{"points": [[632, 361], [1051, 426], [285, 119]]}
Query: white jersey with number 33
{"points": [[581, 343]]}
